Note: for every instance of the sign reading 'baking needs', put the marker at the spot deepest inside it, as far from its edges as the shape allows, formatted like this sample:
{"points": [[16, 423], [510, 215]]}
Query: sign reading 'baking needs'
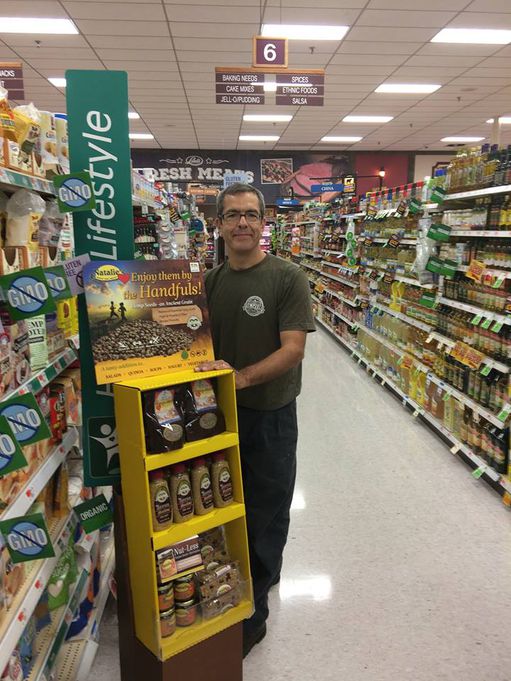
{"points": [[239, 87]]}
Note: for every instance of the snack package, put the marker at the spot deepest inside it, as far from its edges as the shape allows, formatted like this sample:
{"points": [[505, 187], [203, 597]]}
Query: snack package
{"points": [[201, 415], [18, 338], [42, 612], [213, 548], [7, 125], [14, 576], [10, 261], [62, 142], [24, 211], [163, 425], [6, 366], [50, 225], [47, 146], [13, 670], [71, 400], [61, 492], [63, 576], [26, 646], [28, 128], [58, 424], [220, 590], [37, 341]]}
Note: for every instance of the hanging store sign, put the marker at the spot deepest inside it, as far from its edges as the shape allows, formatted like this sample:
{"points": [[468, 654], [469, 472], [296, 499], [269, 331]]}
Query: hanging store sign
{"points": [[25, 419], [287, 202], [11, 78], [300, 88], [97, 106], [94, 513], [328, 187], [26, 293], [11, 454], [74, 192], [236, 86], [269, 52]]}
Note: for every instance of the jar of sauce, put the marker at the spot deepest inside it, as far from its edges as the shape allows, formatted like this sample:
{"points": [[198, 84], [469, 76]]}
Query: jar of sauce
{"points": [[167, 623], [184, 589], [186, 613], [166, 596]]}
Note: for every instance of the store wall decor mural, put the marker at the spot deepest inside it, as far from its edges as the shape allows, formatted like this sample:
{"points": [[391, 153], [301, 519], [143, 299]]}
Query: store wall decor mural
{"points": [[274, 173]]}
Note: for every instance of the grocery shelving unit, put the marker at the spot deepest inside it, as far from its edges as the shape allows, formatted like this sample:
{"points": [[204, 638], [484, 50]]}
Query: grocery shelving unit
{"points": [[371, 302], [143, 541], [11, 180]]}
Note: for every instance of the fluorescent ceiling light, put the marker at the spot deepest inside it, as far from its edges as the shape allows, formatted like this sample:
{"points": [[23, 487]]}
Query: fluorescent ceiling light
{"points": [[58, 82], [259, 138], [37, 25], [133, 114], [141, 136], [341, 139], [462, 139], [367, 119], [268, 118], [304, 31], [403, 88], [475, 36], [504, 120], [270, 86]]}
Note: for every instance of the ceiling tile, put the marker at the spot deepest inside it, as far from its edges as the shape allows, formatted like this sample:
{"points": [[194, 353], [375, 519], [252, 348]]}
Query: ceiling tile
{"points": [[104, 11], [118, 28], [202, 30], [408, 18], [389, 34], [482, 20]]}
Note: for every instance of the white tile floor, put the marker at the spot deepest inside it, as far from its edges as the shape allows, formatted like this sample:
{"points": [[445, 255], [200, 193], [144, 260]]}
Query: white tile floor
{"points": [[398, 566]]}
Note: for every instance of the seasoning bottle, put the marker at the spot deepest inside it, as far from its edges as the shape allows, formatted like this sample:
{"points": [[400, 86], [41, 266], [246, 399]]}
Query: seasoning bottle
{"points": [[221, 479], [161, 505], [181, 490], [201, 487]]}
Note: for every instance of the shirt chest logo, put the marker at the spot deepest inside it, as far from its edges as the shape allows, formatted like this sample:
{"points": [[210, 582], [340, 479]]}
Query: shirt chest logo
{"points": [[254, 306]]}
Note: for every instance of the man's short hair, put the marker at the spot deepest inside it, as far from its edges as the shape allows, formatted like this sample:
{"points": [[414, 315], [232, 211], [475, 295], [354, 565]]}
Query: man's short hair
{"points": [[239, 188]]}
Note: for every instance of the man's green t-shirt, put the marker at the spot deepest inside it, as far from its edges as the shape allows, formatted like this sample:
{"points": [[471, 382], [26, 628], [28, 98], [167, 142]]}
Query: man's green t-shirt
{"points": [[248, 310]]}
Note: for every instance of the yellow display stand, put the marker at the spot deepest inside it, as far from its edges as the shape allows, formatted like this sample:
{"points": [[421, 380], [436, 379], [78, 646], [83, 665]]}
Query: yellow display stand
{"points": [[143, 541]]}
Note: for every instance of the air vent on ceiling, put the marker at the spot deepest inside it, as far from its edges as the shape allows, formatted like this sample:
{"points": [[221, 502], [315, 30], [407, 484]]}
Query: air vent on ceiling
{"points": [[455, 144]]}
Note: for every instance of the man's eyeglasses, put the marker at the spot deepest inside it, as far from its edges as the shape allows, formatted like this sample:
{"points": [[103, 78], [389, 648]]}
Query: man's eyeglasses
{"points": [[233, 217]]}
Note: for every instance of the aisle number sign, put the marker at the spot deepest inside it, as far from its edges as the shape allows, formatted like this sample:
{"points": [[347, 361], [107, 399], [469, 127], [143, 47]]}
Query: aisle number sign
{"points": [[269, 52], [27, 538], [11, 455], [26, 293], [74, 192], [25, 419]]}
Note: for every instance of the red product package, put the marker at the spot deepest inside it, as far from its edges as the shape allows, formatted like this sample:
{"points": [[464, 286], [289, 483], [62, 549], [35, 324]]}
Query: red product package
{"points": [[57, 413]]}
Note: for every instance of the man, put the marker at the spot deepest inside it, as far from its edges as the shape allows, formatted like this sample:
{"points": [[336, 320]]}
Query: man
{"points": [[260, 309]]}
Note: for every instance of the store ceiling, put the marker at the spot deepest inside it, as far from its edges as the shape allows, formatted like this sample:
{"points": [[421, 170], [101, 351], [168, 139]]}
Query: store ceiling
{"points": [[170, 48]]}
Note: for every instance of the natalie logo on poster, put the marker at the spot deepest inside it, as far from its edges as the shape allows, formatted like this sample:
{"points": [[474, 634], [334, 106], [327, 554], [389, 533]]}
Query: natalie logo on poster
{"points": [[146, 318]]}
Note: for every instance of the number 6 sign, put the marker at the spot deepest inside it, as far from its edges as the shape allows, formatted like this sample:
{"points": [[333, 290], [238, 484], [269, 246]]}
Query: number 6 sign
{"points": [[270, 52]]}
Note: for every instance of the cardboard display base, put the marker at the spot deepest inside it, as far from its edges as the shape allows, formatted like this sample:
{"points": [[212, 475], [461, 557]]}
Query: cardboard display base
{"points": [[218, 658]]}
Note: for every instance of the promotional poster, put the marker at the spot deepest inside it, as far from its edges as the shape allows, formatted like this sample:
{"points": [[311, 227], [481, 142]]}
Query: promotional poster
{"points": [[146, 317]]}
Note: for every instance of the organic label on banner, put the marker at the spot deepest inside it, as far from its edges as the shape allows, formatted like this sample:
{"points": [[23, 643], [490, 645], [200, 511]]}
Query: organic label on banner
{"points": [[25, 419], [149, 318], [434, 265], [26, 293], [57, 282], [27, 538], [476, 270], [74, 192], [449, 268], [438, 194], [428, 300], [74, 272], [94, 513], [414, 206], [11, 454], [439, 232]]}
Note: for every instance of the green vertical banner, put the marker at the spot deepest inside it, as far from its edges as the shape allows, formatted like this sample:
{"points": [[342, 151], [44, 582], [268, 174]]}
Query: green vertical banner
{"points": [[97, 108]]}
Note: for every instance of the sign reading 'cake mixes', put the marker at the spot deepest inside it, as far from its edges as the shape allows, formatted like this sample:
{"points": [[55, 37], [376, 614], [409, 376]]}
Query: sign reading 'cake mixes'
{"points": [[146, 317]]}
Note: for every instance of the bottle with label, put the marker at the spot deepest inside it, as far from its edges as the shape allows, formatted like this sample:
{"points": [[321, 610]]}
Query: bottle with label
{"points": [[181, 492], [221, 479], [201, 487], [161, 505]]}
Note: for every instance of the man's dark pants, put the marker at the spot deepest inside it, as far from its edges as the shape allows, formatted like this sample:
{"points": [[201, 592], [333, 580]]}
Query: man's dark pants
{"points": [[268, 458]]}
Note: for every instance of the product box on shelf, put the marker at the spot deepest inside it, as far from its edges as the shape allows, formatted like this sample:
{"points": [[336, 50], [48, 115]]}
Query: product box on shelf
{"points": [[10, 260]]}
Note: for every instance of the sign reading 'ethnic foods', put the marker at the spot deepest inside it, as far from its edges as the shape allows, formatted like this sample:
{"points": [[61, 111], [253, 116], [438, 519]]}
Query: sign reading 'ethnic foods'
{"points": [[11, 78], [240, 86], [146, 318], [304, 89]]}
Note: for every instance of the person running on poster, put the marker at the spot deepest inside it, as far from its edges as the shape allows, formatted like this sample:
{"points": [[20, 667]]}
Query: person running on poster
{"points": [[261, 311], [113, 313], [122, 310]]}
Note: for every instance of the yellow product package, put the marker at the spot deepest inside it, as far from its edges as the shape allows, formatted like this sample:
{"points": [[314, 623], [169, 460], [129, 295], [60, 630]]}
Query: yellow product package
{"points": [[7, 126], [28, 128]]}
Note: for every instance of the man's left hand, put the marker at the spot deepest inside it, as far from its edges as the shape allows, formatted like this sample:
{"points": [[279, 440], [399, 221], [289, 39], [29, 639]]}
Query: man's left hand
{"points": [[242, 380]]}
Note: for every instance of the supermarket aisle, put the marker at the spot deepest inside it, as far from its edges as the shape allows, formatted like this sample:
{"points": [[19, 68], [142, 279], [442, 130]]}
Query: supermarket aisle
{"points": [[398, 561]]}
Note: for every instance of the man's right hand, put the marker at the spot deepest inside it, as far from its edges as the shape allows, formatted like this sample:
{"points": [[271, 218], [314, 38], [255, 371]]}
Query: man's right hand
{"points": [[217, 365]]}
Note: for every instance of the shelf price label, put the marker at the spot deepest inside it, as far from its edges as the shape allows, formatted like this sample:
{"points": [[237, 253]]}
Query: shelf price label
{"points": [[26, 293], [11, 454], [485, 371], [478, 472], [27, 538], [504, 413], [497, 326], [25, 419]]}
